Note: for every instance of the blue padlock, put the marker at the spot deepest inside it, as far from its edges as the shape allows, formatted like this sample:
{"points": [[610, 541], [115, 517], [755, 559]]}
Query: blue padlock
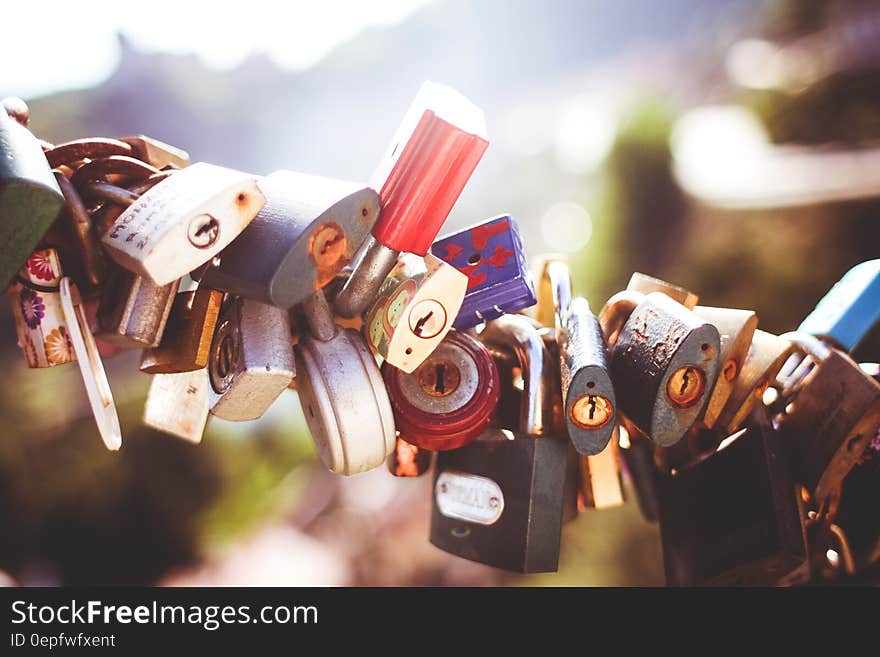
{"points": [[491, 255], [849, 310]]}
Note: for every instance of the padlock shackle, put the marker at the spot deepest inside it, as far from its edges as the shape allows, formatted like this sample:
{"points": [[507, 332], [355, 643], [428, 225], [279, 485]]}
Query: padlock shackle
{"points": [[535, 360], [558, 274], [615, 312], [375, 262], [320, 317], [810, 345]]}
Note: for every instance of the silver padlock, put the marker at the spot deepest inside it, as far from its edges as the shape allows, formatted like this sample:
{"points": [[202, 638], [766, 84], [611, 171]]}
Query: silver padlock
{"points": [[664, 362], [251, 359], [342, 394], [305, 234]]}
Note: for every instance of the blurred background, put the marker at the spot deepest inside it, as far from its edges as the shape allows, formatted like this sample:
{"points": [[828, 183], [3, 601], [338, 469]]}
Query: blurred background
{"points": [[728, 146]]}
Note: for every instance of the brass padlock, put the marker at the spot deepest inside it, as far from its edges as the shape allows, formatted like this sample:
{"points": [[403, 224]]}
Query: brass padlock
{"points": [[644, 284], [414, 310], [599, 477], [736, 329], [188, 333], [766, 356]]}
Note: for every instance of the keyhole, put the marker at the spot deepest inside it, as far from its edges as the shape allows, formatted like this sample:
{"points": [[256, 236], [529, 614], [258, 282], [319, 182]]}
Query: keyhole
{"points": [[225, 356], [685, 386], [420, 324], [439, 386], [591, 411], [438, 377], [203, 231], [427, 319]]}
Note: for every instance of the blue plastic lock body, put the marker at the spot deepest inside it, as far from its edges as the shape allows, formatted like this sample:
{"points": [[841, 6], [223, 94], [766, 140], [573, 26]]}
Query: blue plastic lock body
{"points": [[849, 310], [491, 255]]}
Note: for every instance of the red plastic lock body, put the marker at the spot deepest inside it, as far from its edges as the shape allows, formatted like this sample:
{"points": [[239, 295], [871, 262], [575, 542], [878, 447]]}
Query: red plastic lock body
{"points": [[421, 420], [427, 167]]}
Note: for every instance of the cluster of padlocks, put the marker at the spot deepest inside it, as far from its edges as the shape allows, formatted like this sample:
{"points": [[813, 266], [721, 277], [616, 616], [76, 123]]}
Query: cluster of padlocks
{"points": [[757, 453]]}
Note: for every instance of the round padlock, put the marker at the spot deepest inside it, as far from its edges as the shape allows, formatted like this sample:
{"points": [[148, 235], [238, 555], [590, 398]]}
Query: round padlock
{"points": [[344, 402], [449, 399]]}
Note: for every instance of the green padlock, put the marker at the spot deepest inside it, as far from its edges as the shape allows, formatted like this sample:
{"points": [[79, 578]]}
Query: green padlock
{"points": [[29, 196]]}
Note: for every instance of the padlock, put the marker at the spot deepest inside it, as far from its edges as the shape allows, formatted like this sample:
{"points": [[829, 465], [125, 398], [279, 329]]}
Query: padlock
{"points": [[157, 153], [414, 310], [449, 399], [429, 161], [766, 356], [736, 329], [29, 196], [342, 394], [90, 366], [832, 415], [134, 310], [186, 340], [178, 404], [664, 362], [408, 460], [545, 309], [497, 500], [251, 359], [588, 394], [303, 236], [644, 284], [35, 296], [492, 256], [733, 517], [183, 222], [599, 478], [846, 314]]}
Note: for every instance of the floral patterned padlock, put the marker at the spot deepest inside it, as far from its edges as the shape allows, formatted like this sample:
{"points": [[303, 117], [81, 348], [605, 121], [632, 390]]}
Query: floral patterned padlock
{"points": [[36, 306]]}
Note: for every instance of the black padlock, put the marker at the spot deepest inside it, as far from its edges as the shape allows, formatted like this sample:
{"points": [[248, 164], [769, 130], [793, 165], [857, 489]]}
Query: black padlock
{"points": [[499, 500], [733, 516]]}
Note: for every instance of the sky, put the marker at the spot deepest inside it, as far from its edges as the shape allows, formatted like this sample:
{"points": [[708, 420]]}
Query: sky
{"points": [[57, 45]]}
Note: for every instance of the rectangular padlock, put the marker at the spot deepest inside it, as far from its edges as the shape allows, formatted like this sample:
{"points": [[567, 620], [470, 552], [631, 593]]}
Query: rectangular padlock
{"points": [[428, 163], [733, 518], [134, 310], [183, 222], [414, 310], [251, 359], [735, 328], [29, 195], [303, 236], [178, 404], [847, 313], [499, 500], [186, 340], [492, 256], [40, 323]]}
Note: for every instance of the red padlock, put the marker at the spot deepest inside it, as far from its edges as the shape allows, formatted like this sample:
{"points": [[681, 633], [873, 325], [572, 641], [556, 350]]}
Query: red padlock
{"points": [[448, 401], [430, 160]]}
